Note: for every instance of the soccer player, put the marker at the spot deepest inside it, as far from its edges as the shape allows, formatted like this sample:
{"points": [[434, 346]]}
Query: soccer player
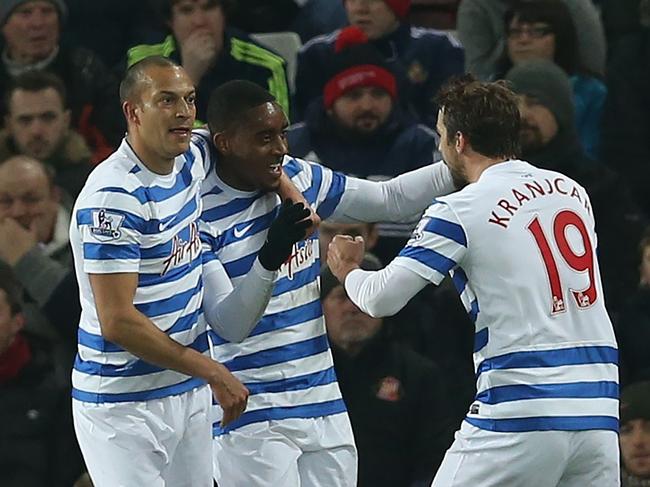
{"points": [[520, 247], [142, 377], [296, 430]]}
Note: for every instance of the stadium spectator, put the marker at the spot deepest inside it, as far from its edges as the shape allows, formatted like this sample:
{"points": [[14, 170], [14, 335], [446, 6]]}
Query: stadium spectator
{"points": [[549, 141], [633, 326], [421, 59], [34, 222], [357, 126], [211, 52], [37, 125], [543, 29], [37, 443], [30, 41], [635, 435], [626, 129], [308, 18], [482, 34], [397, 399]]}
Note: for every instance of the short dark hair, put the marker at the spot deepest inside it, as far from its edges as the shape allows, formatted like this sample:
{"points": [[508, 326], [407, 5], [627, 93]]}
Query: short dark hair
{"points": [[12, 289], [487, 114], [229, 103], [557, 15], [34, 81], [130, 85], [163, 8]]}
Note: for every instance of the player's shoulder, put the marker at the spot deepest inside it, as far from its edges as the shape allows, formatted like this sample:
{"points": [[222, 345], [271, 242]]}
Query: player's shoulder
{"points": [[300, 171]]}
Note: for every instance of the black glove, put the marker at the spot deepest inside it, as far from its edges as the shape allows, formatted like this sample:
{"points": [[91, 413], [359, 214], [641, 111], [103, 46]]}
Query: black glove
{"points": [[289, 227]]}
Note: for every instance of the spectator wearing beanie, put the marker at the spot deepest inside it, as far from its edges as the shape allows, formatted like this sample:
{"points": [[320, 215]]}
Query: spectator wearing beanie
{"points": [[549, 140], [420, 59], [397, 399], [635, 435], [93, 99], [358, 127]]}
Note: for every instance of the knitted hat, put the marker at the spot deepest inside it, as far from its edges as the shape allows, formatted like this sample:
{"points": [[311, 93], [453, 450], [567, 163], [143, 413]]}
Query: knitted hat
{"points": [[549, 84], [328, 281], [400, 7], [7, 6], [635, 402], [356, 63]]}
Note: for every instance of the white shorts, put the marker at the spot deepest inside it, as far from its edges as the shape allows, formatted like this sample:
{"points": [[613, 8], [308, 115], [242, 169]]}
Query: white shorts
{"points": [[295, 452], [483, 458], [156, 443]]}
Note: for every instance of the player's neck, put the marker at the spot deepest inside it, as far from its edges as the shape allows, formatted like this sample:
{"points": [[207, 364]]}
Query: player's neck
{"points": [[478, 163], [153, 161]]}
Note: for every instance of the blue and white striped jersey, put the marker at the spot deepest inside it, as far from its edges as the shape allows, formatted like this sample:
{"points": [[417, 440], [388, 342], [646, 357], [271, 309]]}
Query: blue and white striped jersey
{"points": [[286, 361], [128, 219], [520, 247]]}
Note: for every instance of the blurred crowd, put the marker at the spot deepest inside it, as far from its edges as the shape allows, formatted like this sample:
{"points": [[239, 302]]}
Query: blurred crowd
{"points": [[581, 69]]}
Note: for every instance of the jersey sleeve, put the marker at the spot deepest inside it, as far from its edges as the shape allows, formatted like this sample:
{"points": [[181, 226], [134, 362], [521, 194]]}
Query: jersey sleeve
{"points": [[201, 146], [322, 187], [437, 245], [111, 226]]}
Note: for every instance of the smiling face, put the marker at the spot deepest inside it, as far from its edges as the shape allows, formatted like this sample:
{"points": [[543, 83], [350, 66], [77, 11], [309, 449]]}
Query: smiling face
{"points": [[252, 149], [161, 116]]}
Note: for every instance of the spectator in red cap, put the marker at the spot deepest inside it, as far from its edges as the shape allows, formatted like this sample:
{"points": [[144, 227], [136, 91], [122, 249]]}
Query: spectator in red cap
{"points": [[421, 59]]}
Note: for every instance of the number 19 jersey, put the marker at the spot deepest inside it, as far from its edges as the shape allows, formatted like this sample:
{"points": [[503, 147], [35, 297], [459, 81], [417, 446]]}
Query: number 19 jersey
{"points": [[520, 247]]}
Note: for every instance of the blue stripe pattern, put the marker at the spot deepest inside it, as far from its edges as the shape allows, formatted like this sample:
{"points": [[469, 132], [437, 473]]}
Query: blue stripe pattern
{"points": [[316, 410], [299, 280], [145, 280], [96, 342], [282, 319], [292, 168], [481, 339], [447, 229], [429, 258], [518, 392], [333, 197], [301, 382], [546, 423], [231, 208], [132, 369], [174, 303], [277, 355], [311, 194], [257, 225], [241, 266], [158, 393], [106, 251], [551, 358]]}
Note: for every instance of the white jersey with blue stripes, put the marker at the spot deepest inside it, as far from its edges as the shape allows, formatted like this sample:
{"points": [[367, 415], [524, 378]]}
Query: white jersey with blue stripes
{"points": [[285, 362], [128, 219], [520, 247]]}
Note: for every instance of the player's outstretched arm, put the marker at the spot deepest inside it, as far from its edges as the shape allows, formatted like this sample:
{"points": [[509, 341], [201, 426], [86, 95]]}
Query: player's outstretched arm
{"points": [[122, 324], [402, 198], [234, 312], [377, 293]]}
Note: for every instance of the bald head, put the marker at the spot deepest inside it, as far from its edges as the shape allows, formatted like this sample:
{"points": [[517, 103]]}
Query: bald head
{"points": [[138, 76]]}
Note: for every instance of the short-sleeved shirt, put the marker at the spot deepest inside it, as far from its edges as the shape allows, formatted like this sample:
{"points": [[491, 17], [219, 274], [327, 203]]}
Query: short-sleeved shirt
{"points": [[128, 219]]}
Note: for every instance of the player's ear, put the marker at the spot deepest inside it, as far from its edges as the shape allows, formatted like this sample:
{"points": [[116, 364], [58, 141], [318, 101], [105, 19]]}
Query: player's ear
{"points": [[130, 112], [461, 142], [221, 142]]}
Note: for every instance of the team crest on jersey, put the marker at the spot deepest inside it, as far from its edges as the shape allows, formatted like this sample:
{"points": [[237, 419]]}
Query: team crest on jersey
{"points": [[302, 257], [390, 389], [182, 251], [106, 225]]}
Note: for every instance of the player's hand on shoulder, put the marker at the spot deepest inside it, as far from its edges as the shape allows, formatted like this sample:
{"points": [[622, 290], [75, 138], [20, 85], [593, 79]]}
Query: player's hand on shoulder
{"points": [[345, 254], [289, 227], [230, 394]]}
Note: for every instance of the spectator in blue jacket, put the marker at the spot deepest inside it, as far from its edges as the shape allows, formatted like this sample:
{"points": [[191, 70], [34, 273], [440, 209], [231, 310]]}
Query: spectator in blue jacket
{"points": [[421, 59], [357, 126]]}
